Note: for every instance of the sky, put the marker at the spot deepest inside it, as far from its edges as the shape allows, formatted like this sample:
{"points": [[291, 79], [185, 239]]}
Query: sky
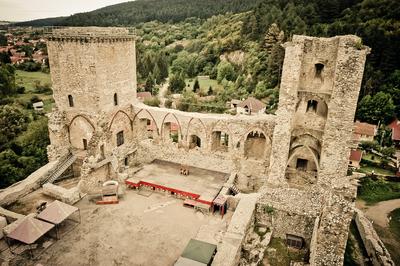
{"points": [[22, 10]]}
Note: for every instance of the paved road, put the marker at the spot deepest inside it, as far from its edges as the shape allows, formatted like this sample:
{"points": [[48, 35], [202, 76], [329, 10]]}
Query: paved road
{"points": [[380, 211]]}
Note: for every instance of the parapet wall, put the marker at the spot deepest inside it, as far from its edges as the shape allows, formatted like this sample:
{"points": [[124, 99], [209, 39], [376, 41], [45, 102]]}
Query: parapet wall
{"points": [[376, 250]]}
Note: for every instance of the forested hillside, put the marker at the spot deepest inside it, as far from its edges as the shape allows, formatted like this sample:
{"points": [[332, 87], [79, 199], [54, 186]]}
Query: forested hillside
{"points": [[134, 12], [257, 72]]}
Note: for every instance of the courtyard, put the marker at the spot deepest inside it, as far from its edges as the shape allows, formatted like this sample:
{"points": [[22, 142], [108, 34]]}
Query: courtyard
{"points": [[140, 230]]}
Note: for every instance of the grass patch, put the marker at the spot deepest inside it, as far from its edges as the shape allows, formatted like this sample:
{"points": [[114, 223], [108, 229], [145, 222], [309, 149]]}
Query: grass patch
{"points": [[28, 79], [282, 254], [394, 223], [372, 157], [379, 171], [204, 84], [373, 190]]}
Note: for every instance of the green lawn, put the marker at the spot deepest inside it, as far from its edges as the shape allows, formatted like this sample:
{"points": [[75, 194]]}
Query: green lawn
{"points": [[204, 83], [28, 79], [372, 157], [375, 190], [394, 224], [379, 171], [283, 254]]}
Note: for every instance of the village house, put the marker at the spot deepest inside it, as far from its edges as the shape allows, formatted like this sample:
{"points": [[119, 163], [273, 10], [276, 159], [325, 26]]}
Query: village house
{"points": [[355, 158], [395, 127], [144, 95], [251, 106], [364, 131]]}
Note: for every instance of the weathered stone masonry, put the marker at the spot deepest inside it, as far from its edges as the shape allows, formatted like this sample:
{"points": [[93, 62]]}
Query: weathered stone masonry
{"points": [[296, 159]]}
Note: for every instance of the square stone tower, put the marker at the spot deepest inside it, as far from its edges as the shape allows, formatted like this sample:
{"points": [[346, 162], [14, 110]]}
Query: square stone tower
{"points": [[92, 69], [308, 184]]}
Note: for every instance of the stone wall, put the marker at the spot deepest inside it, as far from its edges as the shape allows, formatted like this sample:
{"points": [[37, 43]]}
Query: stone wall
{"points": [[376, 250]]}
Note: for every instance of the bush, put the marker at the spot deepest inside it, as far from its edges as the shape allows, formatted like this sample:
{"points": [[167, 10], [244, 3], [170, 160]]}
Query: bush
{"points": [[21, 90], [35, 99], [153, 101], [374, 190], [42, 88], [369, 145], [168, 103]]}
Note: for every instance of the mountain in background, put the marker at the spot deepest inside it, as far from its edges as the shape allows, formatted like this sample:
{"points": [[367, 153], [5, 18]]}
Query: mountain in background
{"points": [[132, 13]]}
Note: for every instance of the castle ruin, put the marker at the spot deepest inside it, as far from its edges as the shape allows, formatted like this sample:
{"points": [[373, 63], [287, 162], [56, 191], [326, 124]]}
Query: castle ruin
{"points": [[294, 162]]}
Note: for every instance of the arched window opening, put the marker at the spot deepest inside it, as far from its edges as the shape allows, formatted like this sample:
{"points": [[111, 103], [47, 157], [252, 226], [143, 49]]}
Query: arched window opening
{"points": [[115, 99], [312, 106], [254, 146], [171, 131], [195, 141], [318, 70], [220, 141], [71, 101], [120, 138]]}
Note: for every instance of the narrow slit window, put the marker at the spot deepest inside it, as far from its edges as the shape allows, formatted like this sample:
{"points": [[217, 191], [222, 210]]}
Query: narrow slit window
{"points": [[115, 99], [71, 101], [120, 138], [84, 144]]}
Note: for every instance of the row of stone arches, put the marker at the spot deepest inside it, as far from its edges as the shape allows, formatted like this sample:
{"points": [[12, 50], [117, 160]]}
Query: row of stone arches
{"points": [[254, 144]]}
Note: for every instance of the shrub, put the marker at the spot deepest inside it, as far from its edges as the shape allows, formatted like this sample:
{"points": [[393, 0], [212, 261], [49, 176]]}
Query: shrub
{"points": [[153, 101]]}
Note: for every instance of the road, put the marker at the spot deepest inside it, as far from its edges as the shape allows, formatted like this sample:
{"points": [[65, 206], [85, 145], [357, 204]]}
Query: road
{"points": [[380, 211]]}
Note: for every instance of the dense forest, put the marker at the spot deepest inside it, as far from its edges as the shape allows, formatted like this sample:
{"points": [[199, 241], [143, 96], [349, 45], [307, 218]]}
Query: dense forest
{"points": [[134, 12]]}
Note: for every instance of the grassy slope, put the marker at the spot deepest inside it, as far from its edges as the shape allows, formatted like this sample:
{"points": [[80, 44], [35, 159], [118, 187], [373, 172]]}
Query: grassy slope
{"points": [[28, 80], [373, 191]]}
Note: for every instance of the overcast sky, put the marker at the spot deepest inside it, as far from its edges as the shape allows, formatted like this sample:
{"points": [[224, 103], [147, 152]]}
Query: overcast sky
{"points": [[21, 10]]}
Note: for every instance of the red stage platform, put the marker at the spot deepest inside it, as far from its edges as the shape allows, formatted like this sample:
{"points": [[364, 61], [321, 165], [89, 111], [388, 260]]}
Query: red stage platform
{"points": [[200, 185]]}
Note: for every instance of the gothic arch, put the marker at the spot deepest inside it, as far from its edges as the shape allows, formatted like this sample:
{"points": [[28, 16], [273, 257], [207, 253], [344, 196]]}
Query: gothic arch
{"points": [[147, 115], [297, 149], [80, 131], [115, 115], [172, 118]]}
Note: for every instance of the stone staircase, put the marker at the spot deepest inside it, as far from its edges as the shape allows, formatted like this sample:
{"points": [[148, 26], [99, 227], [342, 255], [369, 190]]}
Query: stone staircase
{"points": [[234, 190], [60, 169]]}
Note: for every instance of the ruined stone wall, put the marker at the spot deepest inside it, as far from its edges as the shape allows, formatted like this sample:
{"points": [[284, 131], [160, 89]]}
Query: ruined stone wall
{"points": [[318, 95], [283, 222], [375, 248]]}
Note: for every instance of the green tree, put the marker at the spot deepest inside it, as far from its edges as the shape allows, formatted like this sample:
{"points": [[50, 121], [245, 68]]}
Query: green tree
{"points": [[225, 71], [176, 83], [210, 91], [149, 83], [3, 40], [12, 122], [196, 85], [376, 109], [7, 80], [5, 58]]}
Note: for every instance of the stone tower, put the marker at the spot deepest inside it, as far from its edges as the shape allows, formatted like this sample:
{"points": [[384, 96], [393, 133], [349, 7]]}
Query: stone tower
{"points": [[308, 183], [93, 72], [90, 66]]}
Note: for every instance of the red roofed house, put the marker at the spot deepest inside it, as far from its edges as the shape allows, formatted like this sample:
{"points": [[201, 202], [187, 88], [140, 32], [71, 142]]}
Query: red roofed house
{"points": [[395, 127], [355, 158], [364, 131], [143, 95], [251, 106]]}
